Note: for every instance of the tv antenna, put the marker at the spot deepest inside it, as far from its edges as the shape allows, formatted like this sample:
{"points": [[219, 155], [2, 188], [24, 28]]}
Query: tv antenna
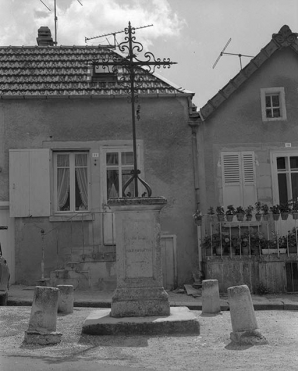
{"points": [[224, 53], [114, 34], [55, 16]]}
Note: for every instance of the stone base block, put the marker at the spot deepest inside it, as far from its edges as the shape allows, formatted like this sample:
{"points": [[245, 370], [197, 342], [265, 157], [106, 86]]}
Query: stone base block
{"points": [[34, 337], [180, 321], [140, 302], [253, 337]]}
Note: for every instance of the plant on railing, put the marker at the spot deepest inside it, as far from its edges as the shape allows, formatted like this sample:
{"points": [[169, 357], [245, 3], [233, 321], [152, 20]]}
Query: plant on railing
{"points": [[265, 211], [294, 208], [197, 216], [230, 213], [248, 212], [285, 209], [220, 211], [240, 212], [258, 208], [275, 209]]}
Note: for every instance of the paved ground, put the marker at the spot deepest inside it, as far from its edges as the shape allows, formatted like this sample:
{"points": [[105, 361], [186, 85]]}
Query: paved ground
{"points": [[23, 295]]}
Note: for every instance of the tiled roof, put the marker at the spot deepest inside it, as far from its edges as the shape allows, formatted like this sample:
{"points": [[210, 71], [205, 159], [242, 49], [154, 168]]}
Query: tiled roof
{"points": [[285, 38], [63, 71]]}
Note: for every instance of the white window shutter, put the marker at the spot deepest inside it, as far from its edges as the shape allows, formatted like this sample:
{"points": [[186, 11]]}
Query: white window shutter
{"points": [[249, 178], [231, 175], [29, 182]]}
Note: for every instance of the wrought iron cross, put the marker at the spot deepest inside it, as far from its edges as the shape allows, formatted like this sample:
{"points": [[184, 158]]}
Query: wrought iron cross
{"points": [[132, 64]]}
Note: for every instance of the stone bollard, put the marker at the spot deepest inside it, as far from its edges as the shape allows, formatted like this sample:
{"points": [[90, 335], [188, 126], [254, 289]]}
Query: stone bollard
{"points": [[210, 297], [43, 318], [244, 322], [66, 299]]}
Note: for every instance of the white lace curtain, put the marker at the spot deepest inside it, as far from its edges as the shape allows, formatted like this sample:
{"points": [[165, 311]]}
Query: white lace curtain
{"points": [[82, 177], [62, 180]]}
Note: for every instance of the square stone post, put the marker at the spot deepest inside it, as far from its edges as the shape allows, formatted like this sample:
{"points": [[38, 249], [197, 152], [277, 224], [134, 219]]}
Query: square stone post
{"points": [[139, 289]]}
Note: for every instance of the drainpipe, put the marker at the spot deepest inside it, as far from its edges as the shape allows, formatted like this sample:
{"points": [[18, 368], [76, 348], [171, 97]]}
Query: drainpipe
{"points": [[199, 181]]}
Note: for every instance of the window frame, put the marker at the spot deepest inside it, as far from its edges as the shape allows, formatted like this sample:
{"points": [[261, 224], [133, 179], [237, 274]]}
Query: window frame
{"points": [[72, 180], [282, 103]]}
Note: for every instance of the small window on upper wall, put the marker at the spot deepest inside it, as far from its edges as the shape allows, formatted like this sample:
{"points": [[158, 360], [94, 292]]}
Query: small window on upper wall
{"points": [[273, 104]]}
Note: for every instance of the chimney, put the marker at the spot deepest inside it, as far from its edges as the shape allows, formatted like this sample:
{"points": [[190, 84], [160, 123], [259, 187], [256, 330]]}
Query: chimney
{"points": [[44, 37]]}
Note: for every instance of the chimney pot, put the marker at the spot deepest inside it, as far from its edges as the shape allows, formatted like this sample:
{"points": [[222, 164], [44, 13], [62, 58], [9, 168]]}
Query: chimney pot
{"points": [[44, 37]]}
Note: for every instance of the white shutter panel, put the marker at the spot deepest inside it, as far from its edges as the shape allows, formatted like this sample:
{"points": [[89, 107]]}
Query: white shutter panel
{"points": [[29, 182], [231, 176], [19, 183], [249, 178]]}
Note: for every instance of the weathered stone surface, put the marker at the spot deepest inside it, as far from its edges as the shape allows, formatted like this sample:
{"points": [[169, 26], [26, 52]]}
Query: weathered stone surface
{"points": [[210, 297], [140, 289], [49, 338], [248, 337], [180, 321], [66, 299]]}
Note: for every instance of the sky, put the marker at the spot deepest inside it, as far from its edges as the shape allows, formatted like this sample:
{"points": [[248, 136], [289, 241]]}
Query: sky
{"points": [[190, 32]]}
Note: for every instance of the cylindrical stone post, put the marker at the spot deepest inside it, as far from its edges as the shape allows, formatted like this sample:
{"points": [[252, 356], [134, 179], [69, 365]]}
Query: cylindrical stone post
{"points": [[244, 322], [66, 299], [210, 297], [43, 318]]}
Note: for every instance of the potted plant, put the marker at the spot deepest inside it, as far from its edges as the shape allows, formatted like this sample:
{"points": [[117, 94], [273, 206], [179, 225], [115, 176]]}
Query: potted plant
{"points": [[220, 211], [240, 213], [248, 213], [294, 205], [258, 208], [265, 211], [275, 209], [284, 210], [197, 216], [230, 213], [211, 213]]}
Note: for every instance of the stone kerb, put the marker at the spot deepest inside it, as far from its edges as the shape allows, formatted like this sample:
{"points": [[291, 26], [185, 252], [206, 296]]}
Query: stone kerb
{"points": [[43, 317], [66, 299], [243, 319], [210, 297], [139, 289]]}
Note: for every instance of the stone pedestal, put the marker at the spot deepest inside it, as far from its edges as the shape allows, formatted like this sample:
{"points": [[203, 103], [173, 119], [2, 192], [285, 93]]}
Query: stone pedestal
{"points": [[210, 297], [139, 289], [66, 299], [244, 322], [43, 317]]}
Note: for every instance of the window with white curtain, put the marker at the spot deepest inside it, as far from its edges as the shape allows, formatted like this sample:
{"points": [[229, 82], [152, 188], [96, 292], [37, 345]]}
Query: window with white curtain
{"points": [[71, 181]]}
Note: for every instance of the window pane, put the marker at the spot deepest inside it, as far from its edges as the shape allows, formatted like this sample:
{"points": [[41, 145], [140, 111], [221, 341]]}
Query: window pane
{"points": [[294, 179], [282, 188], [112, 183], [63, 196], [127, 158], [281, 163], [294, 162], [268, 100], [112, 158], [63, 160], [81, 189], [268, 113], [276, 112], [81, 159], [275, 100]]}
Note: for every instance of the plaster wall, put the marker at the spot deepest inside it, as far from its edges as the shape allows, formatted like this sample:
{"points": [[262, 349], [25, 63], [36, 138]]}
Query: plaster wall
{"points": [[168, 168], [237, 125]]}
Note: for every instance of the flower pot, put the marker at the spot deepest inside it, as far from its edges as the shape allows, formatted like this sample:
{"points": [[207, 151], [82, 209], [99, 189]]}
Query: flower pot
{"points": [[276, 216], [295, 215], [240, 217], [266, 217], [284, 216], [220, 217], [248, 218], [258, 217], [245, 250], [229, 217]]}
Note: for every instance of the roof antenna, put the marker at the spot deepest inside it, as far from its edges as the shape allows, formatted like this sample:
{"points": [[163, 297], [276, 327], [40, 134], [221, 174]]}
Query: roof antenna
{"points": [[114, 34], [223, 53], [55, 16]]}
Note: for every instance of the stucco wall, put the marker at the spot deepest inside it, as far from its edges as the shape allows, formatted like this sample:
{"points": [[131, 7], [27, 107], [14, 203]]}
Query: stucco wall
{"points": [[237, 125], [35, 123]]}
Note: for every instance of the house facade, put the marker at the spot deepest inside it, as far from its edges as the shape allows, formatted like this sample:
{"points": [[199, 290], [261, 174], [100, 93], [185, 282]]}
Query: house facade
{"points": [[248, 141], [66, 147]]}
